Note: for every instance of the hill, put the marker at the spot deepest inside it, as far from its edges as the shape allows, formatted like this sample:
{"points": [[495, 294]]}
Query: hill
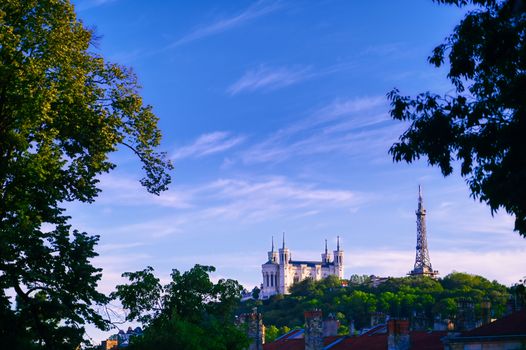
{"points": [[421, 299]]}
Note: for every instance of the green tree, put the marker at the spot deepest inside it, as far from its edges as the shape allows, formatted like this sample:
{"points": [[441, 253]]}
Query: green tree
{"points": [[255, 293], [482, 125], [189, 313], [359, 306], [518, 292], [271, 333], [63, 110], [421, 299]]}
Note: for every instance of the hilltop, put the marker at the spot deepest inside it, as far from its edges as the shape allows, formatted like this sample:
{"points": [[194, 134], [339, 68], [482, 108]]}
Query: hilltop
{"points": [[423, 300]]}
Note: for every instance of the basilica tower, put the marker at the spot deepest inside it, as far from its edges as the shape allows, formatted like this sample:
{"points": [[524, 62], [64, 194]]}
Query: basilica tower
{"points": [[273, 254], [284, 273], [338, 259], [326, 256]]}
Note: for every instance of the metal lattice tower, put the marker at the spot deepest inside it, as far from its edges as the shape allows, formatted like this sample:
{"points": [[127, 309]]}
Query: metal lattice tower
{"points": [[422, 262]]}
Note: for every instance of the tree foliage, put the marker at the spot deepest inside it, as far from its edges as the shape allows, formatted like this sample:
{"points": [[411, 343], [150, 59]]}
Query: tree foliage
{"points": [[420, 299], [482, 125], [63, 110], [189, 313]]}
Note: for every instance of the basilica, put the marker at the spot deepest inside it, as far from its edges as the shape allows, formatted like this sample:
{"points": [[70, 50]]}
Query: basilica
{"points": [[280, 271]]}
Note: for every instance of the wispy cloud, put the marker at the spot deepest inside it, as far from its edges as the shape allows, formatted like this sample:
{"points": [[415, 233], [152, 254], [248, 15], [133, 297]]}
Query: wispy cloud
{"points": [[387, 49], [244, 199], [89, 4], [279, 188], [119, 190], [207, 144], [266, 78], [343, 126], [119, 246], [255, 200], [256, 10]]}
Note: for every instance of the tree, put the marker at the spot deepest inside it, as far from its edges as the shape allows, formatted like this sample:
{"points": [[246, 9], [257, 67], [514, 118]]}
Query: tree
{"points": [[483, 124], [271, 333], [63, 110], [518, 291], [255, 293], [190, 313], [421, 299]]}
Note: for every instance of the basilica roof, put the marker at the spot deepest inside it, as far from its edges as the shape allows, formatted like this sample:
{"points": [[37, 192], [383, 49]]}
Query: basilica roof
{"points": [[310, 263]]}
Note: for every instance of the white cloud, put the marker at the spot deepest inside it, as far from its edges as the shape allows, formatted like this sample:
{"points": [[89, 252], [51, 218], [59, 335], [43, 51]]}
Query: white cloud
{"points": [[207, 144], [278, 188], [505, 266], [266, 78], [256, 10], [128, 191], [114, 265], [343, 126], [118, 246], [153, 229], [89, 4], [389, 49], [245, 200], [249, 201], [246, 197]]}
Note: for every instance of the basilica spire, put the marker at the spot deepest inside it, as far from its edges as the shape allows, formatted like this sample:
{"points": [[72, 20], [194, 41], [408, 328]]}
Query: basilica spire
{"points": [[337, 244], [283, 240], [326, 256], [273, 254]]}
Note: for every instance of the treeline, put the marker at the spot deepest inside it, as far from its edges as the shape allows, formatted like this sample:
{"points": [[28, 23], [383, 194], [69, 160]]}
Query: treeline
{"points": [[422, 300]]}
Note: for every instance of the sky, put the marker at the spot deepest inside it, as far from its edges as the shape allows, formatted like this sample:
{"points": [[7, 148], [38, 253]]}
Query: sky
{"points": [[275, 116]]}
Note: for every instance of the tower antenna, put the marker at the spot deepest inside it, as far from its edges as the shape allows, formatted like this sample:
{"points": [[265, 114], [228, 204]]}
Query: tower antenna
{"points": [[422, 262]]}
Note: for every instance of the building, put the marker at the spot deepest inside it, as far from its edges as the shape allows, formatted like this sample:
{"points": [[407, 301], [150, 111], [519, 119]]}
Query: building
{"points": [[253, 324], [280, 271], [507, 333], [121, 339], [395, 334]]}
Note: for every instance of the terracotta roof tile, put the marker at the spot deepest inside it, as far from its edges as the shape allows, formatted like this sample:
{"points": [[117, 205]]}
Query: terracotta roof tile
{"points": [[514, 324], [419, 340]]}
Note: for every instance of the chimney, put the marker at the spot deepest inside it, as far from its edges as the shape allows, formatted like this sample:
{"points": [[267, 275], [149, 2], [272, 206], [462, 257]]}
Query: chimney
{"points": [[313, 330], [465, 315], [255, 329], [486, 311], [330, 326], [398, 336], [352, 330], [377, 318]]}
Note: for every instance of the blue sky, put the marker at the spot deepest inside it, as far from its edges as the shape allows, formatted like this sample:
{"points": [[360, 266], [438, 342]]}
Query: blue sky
{"points": [[275, 116]]}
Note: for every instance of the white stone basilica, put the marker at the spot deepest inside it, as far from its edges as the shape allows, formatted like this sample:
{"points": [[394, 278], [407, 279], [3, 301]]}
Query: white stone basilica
{"points": [[279, 275]]}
